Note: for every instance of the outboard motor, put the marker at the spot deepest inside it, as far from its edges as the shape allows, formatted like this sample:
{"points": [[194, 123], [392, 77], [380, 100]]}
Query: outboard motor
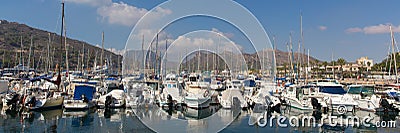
{"points": [[315, 103], [108, 102], [169, 101], [283, 101], [14, 100], [386, 106], [85, 100], [32, 102], [251, 105], [271, 106]]}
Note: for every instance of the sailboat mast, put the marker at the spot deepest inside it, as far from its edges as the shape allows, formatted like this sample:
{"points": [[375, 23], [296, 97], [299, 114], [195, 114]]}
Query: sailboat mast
{"points": [[66, 51], [48, 55], [308, 64], [333, 67], [82, 59], [102, 51], [156, 62], [394, 54], [29, 55], [144, 58], [166, 56], [87, 60], [302, 40], [292, 56], [298, 64], [198, 59], [2, 63], [62, 26], [274, 56], [21, 53]]}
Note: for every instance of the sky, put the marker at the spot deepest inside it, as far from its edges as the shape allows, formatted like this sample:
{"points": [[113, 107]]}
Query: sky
{"points": [[344, 29]]}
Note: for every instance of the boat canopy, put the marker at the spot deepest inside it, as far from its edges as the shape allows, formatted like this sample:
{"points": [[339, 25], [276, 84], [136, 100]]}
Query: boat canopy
{"points": [[332, 89], [86, 90]]}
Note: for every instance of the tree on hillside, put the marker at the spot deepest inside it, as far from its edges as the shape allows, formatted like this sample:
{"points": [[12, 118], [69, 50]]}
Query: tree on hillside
{"points": [[341, 62], [325, 64]]}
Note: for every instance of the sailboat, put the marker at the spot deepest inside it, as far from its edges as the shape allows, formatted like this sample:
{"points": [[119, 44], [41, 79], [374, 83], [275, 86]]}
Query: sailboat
{"points": [[392, 101], [46, 98]]}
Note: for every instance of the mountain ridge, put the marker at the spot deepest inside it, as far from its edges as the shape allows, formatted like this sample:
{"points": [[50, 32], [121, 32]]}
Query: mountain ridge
{"points": [[11, 51]]}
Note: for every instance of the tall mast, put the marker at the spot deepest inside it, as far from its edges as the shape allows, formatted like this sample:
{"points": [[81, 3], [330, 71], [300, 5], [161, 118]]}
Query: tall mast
{"points": [[87, 60], [274, 53], [79, 63], [82, 59], [156, 65], [198, 59], [2, 63], [217, 57], [22, 50], [298, 64], [66, 51], [333, 66], [48, 55], [95, 61], [62, 27], [292, 55], [102, 51], [166, 55], [29, 54], [144, 64], [394, 54], [302, 39], [308, 64]]}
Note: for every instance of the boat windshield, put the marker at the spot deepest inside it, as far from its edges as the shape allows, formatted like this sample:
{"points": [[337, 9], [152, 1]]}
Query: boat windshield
{"points": [[193, 79], [354, 90], [208, 80], [368, 90], [250, 83], [171, 85], [332, 89]]}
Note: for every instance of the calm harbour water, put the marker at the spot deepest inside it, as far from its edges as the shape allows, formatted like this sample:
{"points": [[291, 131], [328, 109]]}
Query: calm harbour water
{"points": [[124, 120]]}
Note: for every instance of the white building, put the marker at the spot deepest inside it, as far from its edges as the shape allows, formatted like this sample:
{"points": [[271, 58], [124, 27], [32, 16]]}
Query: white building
{"points": [[365, 62]]}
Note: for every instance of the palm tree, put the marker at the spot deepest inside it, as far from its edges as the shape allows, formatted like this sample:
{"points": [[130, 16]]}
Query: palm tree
{"points": [[341, 62], [325, 64]]}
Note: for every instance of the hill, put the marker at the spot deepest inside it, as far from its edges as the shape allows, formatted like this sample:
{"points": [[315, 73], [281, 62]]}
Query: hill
{"points": [[252, 60], [15, 40]]}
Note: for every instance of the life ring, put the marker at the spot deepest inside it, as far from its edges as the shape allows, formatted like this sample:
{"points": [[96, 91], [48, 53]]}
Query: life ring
{"points": [[206, 93]]}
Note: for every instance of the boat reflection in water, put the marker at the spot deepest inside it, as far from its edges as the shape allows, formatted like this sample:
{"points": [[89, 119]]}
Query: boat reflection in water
{"points": [[114, 120], [210, 119]]}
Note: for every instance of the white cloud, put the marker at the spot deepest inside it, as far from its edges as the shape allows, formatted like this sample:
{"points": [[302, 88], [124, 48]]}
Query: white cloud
{"points": [[124, 14], [91, 2], [322, 28], [228, 35], [120, 12], [209, 41], [353, 30], [374, 29]]}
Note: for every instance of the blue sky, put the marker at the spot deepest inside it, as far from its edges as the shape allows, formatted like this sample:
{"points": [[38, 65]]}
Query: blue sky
{"points": [[348, 29]]}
